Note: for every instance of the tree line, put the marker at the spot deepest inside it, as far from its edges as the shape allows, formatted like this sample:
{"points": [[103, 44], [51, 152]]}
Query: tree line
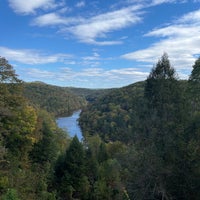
{"points": [[56, 100], [141, 142], [159, 125]]}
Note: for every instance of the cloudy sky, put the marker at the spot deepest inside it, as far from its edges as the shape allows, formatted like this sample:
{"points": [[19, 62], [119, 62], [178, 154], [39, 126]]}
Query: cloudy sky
{"points": [[98, 43]]}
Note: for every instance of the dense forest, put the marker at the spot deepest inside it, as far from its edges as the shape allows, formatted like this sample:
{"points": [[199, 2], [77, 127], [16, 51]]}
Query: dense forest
{"points": [[37, 159], [60, 100], [158, 122], [54, 99], [141, 142]]}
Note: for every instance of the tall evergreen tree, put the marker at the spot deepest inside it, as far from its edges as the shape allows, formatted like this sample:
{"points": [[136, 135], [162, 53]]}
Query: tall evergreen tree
{"points": [[162, 130], [161, 86], [164, 104], [195, 75], [194, 87], [192, 134], [71, 180]]}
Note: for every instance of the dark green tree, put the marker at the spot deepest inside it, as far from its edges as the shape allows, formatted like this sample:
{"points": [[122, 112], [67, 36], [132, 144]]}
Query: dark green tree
{"points": [[195, 75], [70, 174], [161, 142], [192, 136], [45, 151], [194, 87], [102, 154], [161, 86]]}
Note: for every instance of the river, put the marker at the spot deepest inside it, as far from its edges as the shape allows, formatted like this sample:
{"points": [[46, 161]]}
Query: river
{"points": [[70, 124]]}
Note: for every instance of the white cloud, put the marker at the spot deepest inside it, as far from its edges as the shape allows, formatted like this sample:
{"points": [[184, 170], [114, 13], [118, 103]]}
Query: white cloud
{"points": [[54, 19], [29, 56], [98, 26], [28, 7], [180, 40], [41, 74], [192, 17], [88, 77], [93, 30], [157, 2]]}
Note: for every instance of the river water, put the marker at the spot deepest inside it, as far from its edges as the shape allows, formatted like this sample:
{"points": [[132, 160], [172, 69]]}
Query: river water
{"points": [[70, 124]]}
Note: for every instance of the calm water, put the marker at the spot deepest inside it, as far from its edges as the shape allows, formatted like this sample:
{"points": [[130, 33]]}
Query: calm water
{"points": [[70, 124]]}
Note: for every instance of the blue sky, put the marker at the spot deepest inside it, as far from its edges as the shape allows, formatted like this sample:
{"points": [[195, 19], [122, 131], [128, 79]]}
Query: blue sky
{"points": [[98, 43]]}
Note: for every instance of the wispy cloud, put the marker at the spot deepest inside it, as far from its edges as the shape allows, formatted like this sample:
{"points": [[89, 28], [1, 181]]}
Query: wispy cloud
{"points": [[95, 56], [38, 74], [98, 26], [180, 40], [157, 2], [29, 7], [29, 56], [87, 77], [55, 19], [93, 30]]}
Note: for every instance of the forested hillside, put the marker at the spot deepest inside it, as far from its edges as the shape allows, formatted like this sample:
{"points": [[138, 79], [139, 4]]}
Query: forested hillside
{"points": [[89, 94], [60, 100], [158, 122], [141, 142], [111, 115], [54, 99]]}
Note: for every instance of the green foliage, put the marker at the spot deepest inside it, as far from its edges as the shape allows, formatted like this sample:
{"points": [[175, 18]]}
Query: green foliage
{"points": [[194, 88], [54, 99], [10, 195], [87, 172], [195, 75], [7, 73], [30, 142], [141, 141], [157, 121], [111, 116], [69, 172], [45, 150], [90, 95]]}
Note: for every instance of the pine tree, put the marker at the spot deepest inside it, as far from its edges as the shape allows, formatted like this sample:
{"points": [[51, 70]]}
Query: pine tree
{"points": [[194, 87], [72, 182], [195, 75], [162, 131]]}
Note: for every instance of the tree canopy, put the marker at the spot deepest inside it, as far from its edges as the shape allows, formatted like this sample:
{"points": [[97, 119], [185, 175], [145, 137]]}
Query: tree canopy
{"points": [[140, 142]]}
